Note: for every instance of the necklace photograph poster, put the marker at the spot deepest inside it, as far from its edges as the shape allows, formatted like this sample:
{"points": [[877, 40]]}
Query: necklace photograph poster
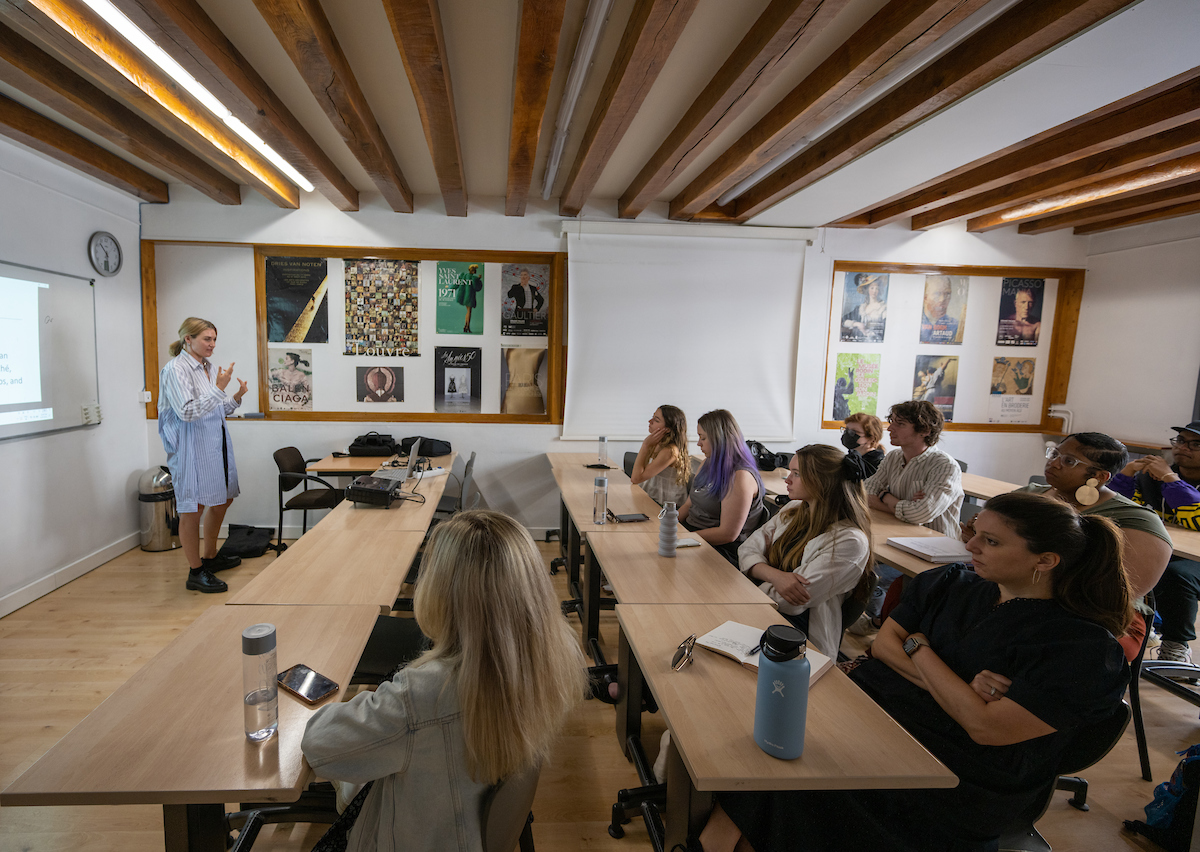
{"points": [[976, 346]]}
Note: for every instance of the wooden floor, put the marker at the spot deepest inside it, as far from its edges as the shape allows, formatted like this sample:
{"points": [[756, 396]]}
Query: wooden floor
{"points": [[65, 653]]}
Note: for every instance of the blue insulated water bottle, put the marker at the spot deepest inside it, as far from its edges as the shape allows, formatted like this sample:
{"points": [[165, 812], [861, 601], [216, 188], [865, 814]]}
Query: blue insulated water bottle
{"points": [[781, 706]]}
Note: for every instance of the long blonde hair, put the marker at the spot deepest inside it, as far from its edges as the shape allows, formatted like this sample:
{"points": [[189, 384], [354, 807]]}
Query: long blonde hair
{"points": [[192, 326], [676, 438], [833, 497], [485, 600]]}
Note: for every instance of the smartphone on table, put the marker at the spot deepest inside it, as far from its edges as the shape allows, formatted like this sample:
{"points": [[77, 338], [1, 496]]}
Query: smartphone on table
{"points": [[306, 684]]}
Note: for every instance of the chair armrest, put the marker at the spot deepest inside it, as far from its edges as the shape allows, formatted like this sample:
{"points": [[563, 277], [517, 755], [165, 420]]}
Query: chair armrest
{"points": [[304, 476]]}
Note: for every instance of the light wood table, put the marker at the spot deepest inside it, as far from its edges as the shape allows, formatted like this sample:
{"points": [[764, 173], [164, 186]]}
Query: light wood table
{"points": [[850, 742], [349, 465], [337, 566], [638, 574], [173, 733], [1186, 543], [982, 488], [571, 461], [885, 526], [401, 515]]}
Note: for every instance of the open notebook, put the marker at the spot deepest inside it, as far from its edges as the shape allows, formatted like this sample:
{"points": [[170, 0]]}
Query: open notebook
{"points": [[736, 641]]}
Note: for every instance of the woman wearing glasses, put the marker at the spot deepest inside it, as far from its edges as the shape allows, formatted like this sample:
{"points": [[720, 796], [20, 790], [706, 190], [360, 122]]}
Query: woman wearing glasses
{"points": [[993, 670], [815, 552], [1173, 491], [1078, 472]]}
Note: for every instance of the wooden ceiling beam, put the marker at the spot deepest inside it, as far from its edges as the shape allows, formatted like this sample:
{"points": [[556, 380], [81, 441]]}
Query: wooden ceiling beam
{"points": [[184, 30], [417, 28], [1161, 107], [1172, 212], [1166, 174], [1025, 31], [1140, 202], [1113, 163], [31, 70], [654, 28], [891, 37], [305, 34], [537, 52], [74, 30], [20, 123], [782, 31]]}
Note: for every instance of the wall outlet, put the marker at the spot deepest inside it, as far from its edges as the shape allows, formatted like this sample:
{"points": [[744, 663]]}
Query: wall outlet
{"points": [[91, 415], [145, 396]]}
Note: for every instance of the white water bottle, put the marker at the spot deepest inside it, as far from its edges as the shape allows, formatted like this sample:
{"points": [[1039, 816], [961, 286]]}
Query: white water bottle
{"points": [[668, 529], [260, 688], [600, 500], [602, 452]]}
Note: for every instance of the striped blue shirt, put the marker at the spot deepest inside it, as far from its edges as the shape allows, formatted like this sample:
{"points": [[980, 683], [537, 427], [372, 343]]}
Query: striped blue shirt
{"points": [[191, 423]]}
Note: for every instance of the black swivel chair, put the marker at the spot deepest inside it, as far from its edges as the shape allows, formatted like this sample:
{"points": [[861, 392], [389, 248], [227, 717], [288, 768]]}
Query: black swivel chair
{"points": [[630, 458], [291, 464], [1135, 698], [1089, 746]]}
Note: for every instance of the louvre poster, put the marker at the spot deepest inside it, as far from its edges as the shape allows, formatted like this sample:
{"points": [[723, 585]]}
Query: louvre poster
{"points": [[381, 307]]}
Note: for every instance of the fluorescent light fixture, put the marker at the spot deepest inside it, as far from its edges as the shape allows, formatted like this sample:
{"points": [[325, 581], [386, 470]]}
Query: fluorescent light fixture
{"points": [[589, 38], [135, 36]]}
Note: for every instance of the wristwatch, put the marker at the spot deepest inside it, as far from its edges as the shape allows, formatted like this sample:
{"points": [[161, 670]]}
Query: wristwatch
{"points": [[885, 493], [912, 643]]}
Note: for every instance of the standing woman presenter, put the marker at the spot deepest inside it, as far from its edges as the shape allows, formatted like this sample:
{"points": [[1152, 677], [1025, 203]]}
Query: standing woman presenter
{"points": [[192, 406]]}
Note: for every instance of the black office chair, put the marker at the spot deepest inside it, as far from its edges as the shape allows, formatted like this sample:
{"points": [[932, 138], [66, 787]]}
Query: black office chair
{"points": [[505, 820], [630, 458], [291, 466], [1038, 479], [1088, 746], [853, 607], [1135, 698], [394, 642], [962, 465], [968, 511]]}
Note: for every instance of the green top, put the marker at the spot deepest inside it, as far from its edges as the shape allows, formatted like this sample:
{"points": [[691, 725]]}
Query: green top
{"points": [[1120, 510]]}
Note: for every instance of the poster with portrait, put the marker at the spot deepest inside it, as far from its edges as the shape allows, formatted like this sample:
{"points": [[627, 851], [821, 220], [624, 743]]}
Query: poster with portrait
{"points": [[381, 307], [864, 308], [459, 297], [1020, 322], [935, 380], [944, 309], [856, 384], [1011, 399], [525, 306], [522, 380], [380, 384], [457, 385], [290, 379], [297, 308]]}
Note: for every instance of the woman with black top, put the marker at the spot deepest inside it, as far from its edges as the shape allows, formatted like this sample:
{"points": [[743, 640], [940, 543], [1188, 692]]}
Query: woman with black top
{"points": [[863, 434], [992, 670]]}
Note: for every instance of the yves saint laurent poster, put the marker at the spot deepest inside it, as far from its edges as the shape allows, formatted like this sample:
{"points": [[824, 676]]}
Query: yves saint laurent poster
{"points": [[459, 297], [297, 310], [456, 379]]}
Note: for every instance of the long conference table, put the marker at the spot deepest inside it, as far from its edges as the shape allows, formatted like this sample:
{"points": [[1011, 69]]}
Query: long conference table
{"points": [[173, 734]]}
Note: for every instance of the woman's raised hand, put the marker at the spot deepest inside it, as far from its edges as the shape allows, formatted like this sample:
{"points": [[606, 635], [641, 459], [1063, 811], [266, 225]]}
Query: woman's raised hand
{"points": [[223, 376], [241, 391]]}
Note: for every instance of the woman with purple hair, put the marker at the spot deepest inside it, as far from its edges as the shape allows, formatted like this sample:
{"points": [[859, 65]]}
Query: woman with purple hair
{"points": [[726, 502]]}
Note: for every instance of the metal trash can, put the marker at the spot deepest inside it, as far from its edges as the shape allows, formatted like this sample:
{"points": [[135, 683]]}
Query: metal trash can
{"points": [[160, 521]]}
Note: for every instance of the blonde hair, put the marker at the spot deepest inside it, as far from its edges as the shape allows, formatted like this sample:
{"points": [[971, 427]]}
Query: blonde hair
{"points": [[192, 327], [676, 439], [485, 600], [832, 498]]}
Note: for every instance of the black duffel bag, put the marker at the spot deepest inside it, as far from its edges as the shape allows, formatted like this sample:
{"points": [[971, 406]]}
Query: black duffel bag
{"points": [[429, 446], [374, 444]]}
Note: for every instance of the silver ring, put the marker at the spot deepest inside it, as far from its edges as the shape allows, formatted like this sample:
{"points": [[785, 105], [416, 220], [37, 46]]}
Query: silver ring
{"points": [[993, 690]]}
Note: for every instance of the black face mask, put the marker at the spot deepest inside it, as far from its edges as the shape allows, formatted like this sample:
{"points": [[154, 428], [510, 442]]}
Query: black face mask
{"points": [[849, 439]]}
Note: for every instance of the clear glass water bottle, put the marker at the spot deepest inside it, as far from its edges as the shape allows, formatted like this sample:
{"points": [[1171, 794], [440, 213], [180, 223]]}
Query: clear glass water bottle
{"points": [[668, 529], [259, 686], [781, 704], [600, 500], [602, 452]]}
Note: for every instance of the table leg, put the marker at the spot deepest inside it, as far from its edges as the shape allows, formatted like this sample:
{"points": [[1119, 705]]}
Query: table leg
{"points": [[591, 604], [573, 544], [194, 828], [687, 808], [564, 525], [631, 684]]}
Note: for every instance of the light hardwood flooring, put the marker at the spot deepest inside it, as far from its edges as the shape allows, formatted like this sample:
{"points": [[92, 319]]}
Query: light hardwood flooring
{"points": [[63, 654]]}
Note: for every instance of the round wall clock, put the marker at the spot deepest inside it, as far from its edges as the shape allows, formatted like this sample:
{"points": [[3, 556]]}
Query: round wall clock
{"points": [[105, 253]]}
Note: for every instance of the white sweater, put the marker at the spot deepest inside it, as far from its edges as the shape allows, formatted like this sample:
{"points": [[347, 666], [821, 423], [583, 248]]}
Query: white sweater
{"points": [[833, 563]]}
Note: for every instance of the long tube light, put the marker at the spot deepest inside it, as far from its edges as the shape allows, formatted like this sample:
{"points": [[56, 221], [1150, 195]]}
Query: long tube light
{"points": [[138, 38], [589, 38], [955, 35]]}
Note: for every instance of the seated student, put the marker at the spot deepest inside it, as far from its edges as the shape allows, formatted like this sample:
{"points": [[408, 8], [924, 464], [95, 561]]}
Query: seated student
{"points": [[863, 434], [487, 700], [992, 670], [726, 502], [1173, 491], [1093, 457], [662, 466], [917, 482], [816, 551]]}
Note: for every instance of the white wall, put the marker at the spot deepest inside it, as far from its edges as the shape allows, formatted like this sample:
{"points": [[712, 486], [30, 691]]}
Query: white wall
{"points": [[70, 501]]}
